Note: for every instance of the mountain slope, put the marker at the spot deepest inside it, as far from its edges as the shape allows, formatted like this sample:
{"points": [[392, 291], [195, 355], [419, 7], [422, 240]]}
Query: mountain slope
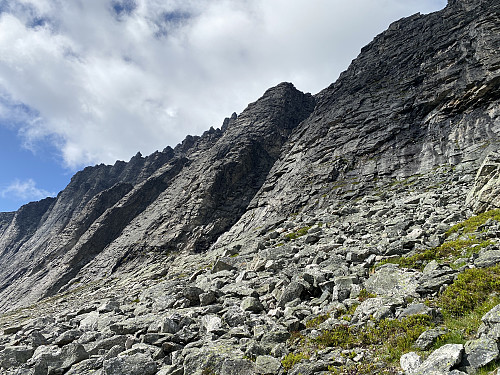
{"points": [[325, 234], [423, 93], [178, 198]]}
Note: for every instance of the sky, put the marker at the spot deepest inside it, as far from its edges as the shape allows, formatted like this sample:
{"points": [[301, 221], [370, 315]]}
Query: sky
{"points": [[84, 82]]}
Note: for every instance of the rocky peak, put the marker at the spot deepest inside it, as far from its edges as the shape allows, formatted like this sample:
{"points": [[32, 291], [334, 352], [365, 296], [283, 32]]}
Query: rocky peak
{"points": [[306, 236]]}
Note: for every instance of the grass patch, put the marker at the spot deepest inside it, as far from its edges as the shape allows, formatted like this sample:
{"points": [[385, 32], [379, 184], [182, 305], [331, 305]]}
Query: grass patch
{"points": [[361, 368], [364, 295], [448, 251], [315, 322], [470, 225], [390, 337], [299, 233], [471, 289], [291, 359], [464, 303]]}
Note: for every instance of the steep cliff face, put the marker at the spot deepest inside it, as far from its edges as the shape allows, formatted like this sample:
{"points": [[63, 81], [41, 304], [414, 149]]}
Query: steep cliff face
{"points": [[305, 230], [35, 237], [424, 93], [178, 199]]}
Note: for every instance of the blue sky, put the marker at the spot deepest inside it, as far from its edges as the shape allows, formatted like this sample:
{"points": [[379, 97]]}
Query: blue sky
{"points": [[95, 81]]}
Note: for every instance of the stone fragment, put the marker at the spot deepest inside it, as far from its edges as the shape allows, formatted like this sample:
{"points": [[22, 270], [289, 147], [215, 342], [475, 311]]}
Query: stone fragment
{"points": [[479, 353], [14, 356], [137, 364], [106, 344], [168, 325], [252, 304], [432, 281], [207, 298], [35, 339], [192, 293], [389, 281], [68, 337], [221, 265], [11, 330], [487, 258], [428, 338], [410, 362], [377, 308], [90, 322], [211, 323], [290, 293], [419, 309], [267, 365], [441, 360], [275, 335], [234, 316], [485, 193], [109, 306]]}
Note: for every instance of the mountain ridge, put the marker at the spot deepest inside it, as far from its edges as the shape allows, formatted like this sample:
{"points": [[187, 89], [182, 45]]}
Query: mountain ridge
{"points": [[289, 212]]}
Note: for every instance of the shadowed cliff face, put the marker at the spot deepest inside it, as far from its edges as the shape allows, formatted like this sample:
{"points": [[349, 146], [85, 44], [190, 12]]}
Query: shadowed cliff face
{"points": [[178, 199], [423, 93]]}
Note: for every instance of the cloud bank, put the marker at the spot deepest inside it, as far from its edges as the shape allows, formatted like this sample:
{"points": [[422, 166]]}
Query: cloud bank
{"points": [[24, 191], [103, 79]]}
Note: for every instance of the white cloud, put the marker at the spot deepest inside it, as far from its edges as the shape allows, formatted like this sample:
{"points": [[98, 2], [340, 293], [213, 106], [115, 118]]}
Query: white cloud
{"points": [[105, 79], [25, 191]]}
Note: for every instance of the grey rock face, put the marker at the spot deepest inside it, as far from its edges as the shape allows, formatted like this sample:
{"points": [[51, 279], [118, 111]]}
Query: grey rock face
{"points": [[229, 253], [137, 364], [213, 178], [485, 193], [391, 281], [15, 356], [479, 353], [441, 360], [428, 338]]}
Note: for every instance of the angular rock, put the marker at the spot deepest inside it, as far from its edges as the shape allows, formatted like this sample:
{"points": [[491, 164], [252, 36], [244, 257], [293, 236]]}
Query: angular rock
{"points": [[487, 258], [480, 353], [441, 360], [137, 364], [390, 281], [252, 304], [68, 337], [15, 356], [410, 362], [428, 338], [267, 365], [377, 308], [485, 193], [290, 293]]}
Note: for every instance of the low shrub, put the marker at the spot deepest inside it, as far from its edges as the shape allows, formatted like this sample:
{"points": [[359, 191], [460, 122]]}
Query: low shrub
{"points": [[291, 359], [471, 289]]}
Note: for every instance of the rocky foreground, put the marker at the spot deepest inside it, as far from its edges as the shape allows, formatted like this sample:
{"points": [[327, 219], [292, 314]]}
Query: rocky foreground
{"points": [[355, 231], [330, 294]]}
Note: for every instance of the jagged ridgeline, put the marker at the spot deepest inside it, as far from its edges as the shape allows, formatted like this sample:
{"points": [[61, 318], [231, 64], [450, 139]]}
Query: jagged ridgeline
{"points": [[353, 231]]}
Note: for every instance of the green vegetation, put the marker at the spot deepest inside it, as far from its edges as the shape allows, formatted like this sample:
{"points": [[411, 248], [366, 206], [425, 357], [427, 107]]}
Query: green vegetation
{"points": [[390, 337], [470, 225], [361, 368], [364, 295], [465, 302], [471, 289], [291, 359], [315, 322], [299, 233], [448, 251]]}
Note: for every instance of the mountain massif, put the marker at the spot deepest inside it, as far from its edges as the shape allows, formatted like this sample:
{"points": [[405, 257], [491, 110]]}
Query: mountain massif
{"points": [[304, 236]]}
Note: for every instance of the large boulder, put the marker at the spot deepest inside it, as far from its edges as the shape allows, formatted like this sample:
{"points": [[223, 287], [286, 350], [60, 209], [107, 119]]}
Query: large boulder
{"points": [[390, 281], [13, 356], [137, 364], [485, 194]]}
